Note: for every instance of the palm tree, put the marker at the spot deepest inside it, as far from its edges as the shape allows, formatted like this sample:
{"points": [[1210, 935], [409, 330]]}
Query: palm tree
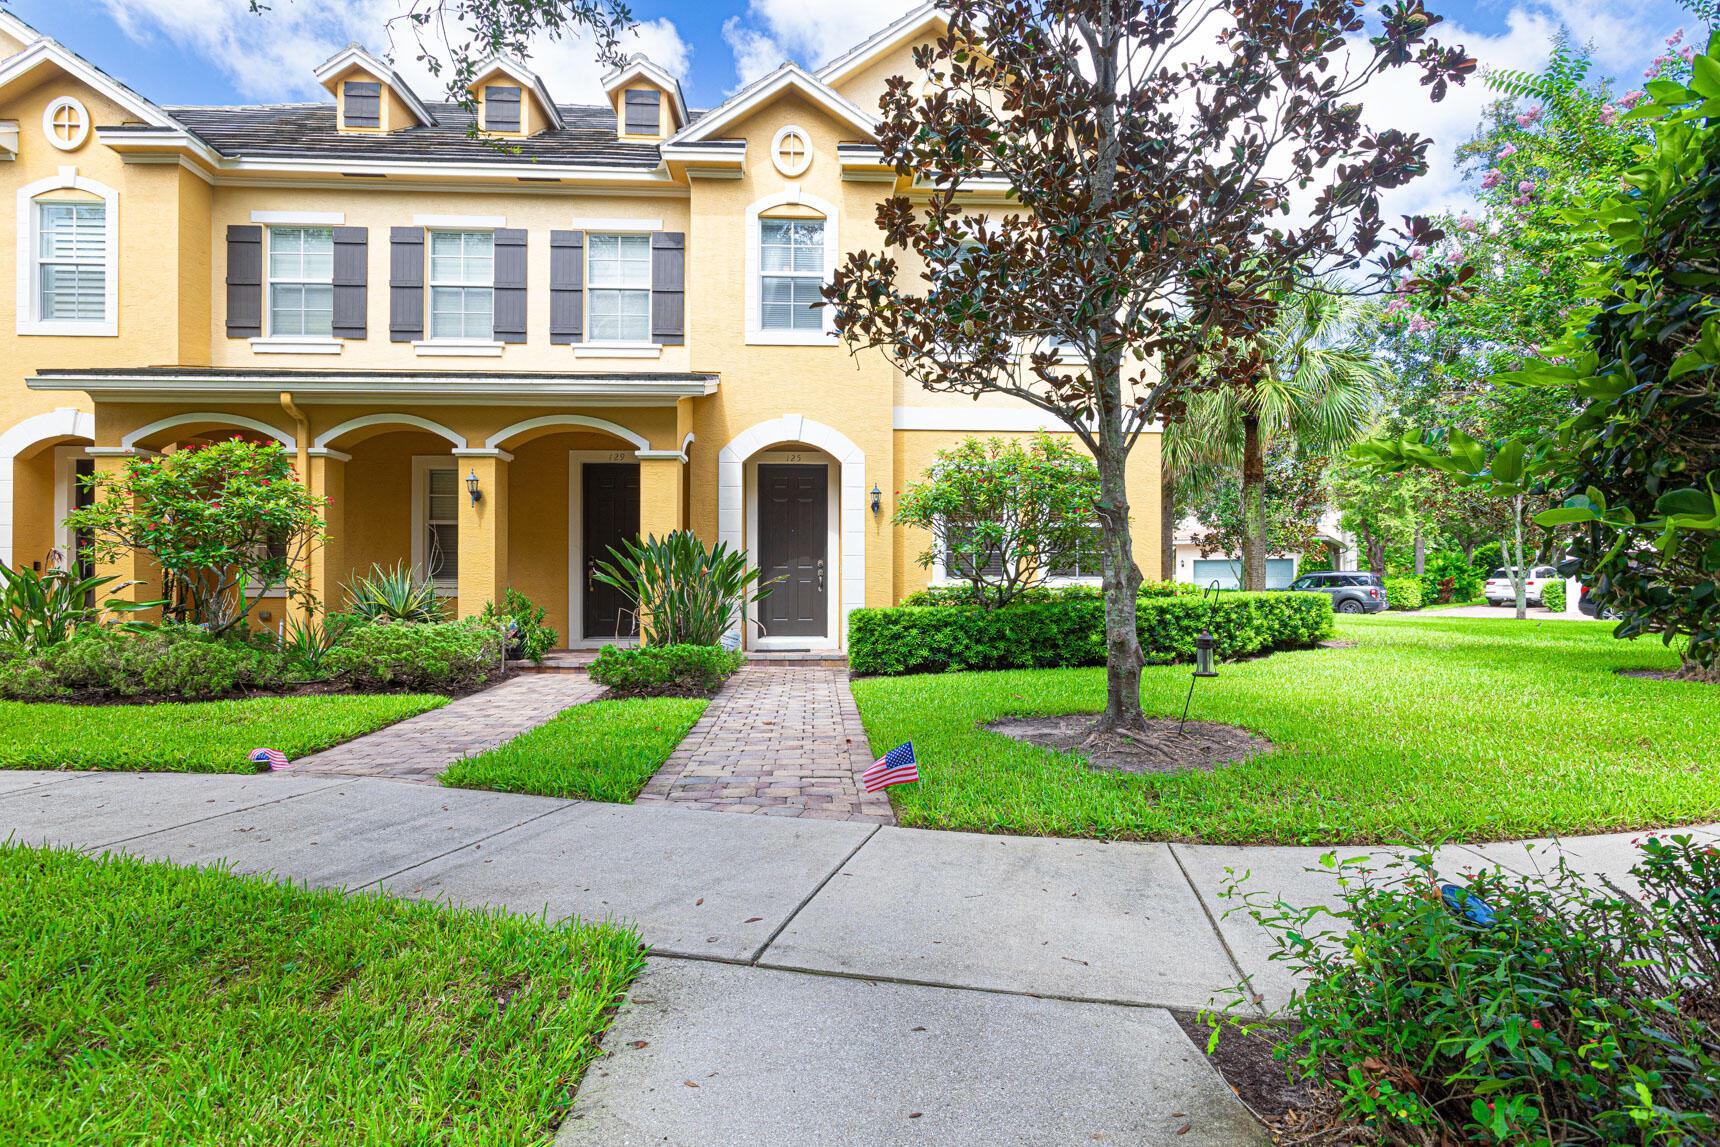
{"points": [[1319, 391]]}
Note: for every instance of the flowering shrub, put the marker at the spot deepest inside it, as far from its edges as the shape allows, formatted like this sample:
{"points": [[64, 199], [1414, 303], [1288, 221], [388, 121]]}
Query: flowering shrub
{"points": [[1510, 1009]]}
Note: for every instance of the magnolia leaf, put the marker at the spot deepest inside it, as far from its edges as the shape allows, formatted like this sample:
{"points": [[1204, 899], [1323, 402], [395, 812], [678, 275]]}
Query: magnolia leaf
{"points": [[1705, 76], [1689, 502], [1508, 463], [1566, 516]]}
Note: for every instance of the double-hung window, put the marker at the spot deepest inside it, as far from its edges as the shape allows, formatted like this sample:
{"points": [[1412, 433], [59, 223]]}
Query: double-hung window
{"points": [[618, 286], [441, 523], [462, 285], [71, 260], [1086, 561], [301, 281], [791, 264]]}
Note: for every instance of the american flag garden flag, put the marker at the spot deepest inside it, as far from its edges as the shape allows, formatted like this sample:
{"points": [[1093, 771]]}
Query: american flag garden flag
{"points": [[273, 758], [896, 767]]}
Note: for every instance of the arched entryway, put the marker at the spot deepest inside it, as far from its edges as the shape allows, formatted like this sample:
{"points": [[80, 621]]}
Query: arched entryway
{"points": [[42, 459], [792, 491]]}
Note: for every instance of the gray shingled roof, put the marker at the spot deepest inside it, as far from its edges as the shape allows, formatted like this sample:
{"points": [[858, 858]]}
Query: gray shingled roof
{"points": [[308, 131]]}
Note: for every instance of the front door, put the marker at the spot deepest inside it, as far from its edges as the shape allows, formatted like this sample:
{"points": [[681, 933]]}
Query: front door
{"points": [[611, 513], [793, 514]]}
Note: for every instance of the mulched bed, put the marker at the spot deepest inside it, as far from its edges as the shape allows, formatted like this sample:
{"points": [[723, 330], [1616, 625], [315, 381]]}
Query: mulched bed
{"points": [[1203, 745], [1293, 1111], [1672, 675]]}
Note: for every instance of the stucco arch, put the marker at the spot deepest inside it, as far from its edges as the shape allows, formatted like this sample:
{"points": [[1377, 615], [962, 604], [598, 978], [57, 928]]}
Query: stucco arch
{"points": [[328, 437], [500, 437], [731, 493], [208, 416], [62, 423]]}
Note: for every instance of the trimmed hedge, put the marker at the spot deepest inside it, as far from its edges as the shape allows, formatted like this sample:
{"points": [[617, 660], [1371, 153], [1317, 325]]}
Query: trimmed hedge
{"points": [[947, 595], [664, 670], [1058, 634], [416, 656], [1553, 596], [1403, 593]]}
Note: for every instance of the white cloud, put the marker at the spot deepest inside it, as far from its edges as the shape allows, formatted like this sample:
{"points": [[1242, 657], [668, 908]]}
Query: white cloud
{"points": [[776, 30], [270, 55]]}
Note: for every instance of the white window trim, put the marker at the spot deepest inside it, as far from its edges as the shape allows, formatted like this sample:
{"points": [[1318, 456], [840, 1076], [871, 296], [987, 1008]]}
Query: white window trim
{"points": [[300, 218], [622, 226], [272, 343], [29, 321], [792, 170], [83, 132], [617, 350], [457, 348], [625, 346], [756, 335], [422, 464], [460, 222], [430, 345]]}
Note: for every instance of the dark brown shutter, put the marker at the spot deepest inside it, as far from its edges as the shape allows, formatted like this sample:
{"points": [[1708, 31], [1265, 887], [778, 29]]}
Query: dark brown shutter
{"points": [[641, 109], [668, 287], [244, 281], [510, 297], [405, 284], [363, 104], [501, 108], [566, 286], [351, 281]]}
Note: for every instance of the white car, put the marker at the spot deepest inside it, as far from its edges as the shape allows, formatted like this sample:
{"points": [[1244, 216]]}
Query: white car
{"points": [[1500, 591]]}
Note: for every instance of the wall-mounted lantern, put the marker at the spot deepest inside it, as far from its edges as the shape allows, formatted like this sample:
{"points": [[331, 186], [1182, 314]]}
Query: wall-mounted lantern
{"points": [[472, 487], [877, 498]]}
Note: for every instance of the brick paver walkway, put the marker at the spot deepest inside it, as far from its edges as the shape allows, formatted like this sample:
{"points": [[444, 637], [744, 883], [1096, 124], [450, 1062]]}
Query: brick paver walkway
{"points": [[779, 740], [421, 747]]}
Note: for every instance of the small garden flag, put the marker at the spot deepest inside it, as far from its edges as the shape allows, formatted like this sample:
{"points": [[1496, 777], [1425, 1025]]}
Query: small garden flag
{"points": [[896, 767], [273, 758]]}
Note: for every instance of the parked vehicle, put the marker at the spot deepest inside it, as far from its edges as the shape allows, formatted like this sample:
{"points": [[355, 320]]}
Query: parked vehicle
{"points": [[1351, 591], [1500, 591]]}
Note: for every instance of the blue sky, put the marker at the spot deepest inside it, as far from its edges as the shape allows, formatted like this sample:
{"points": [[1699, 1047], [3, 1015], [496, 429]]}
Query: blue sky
{"points": [[216, 51]]}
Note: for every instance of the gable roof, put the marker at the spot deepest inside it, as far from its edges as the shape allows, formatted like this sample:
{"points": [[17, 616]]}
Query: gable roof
{"points": [[357, 56], [640, 67], [911, 26], [523, 76], [787, 77], [45, 51]]}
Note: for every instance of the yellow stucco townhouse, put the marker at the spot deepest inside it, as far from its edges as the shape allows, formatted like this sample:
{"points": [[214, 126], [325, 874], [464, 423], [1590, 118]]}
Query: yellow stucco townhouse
{"points": [[495, 361]]}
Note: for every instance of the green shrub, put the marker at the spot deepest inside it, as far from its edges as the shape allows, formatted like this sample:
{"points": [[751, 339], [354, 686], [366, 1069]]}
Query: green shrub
{"points": [[174, 662], [1241, 624], [942, 595], [396, 594], [1576, 1015], [1043, 635], [528, 637], [430, 657], [664, 670], [1447, 576], [1403, 592], [42, 609], [685, 592], [1553, 596]]}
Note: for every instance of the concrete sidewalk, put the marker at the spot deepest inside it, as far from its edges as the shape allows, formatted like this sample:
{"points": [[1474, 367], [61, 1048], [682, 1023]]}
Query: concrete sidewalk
{"points": [[849, 976]]}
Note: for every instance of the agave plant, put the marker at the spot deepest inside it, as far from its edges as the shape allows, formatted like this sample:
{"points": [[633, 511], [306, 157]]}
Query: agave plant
{"points": [[41, 609], [396, 594], [306, 641], [685, 593]]}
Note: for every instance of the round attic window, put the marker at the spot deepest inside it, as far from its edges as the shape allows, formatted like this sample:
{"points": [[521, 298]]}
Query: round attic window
{"points": [[791, 150], [66, 123]]}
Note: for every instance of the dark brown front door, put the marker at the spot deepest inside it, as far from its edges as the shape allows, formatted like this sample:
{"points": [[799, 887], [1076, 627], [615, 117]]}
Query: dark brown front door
{"points": [[793, 513], [611, 513]]}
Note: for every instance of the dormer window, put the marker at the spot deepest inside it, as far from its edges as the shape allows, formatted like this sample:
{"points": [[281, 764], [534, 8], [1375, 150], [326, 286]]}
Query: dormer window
{"points": [[362, 100], [501, 108], [643, 111]]}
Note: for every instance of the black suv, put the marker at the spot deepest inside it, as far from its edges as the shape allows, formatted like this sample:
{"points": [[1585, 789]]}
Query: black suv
{"points": [[1351, 592]]}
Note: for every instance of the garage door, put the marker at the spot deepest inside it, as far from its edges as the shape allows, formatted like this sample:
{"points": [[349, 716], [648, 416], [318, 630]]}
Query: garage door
{"points": [[1280, 572]]}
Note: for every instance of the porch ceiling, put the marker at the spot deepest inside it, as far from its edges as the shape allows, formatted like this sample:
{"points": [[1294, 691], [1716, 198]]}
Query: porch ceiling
{"points": [[507, 388]]}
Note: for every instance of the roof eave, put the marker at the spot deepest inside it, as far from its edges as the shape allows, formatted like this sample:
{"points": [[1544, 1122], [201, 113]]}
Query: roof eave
{"points": [[549, 390], [764, 89]]}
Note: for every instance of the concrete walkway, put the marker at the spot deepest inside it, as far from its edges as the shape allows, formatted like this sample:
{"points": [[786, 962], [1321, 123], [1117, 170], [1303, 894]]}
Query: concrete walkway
{"points": [[421, 748], [848, 982], [780, 740]]}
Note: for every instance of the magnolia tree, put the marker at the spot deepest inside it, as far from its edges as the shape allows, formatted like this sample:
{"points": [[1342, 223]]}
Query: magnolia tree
{"points": [[227, 524], [1004, 517], [1170, 166]]}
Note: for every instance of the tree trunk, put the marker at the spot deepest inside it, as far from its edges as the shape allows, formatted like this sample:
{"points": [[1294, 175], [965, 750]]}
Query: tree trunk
{"points": [[1167, 522], [1253, 505], [1519, 575], [1122, 581], [1420, 553]]}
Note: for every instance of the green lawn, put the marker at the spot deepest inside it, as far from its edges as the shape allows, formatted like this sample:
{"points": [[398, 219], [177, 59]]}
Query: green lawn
{"points": [[196, 737], [146, 1004], [1465, 728], [602, 751]]}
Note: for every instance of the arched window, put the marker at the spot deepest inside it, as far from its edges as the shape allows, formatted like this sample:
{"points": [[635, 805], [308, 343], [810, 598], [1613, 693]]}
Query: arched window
{"points": [[68, 250], [791, 252]]}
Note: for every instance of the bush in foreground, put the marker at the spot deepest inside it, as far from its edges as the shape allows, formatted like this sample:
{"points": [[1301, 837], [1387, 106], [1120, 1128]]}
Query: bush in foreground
{"points": [[451, 656], [1068, 633], [664, 670], [144, 1003], [1517, 1009], [1553, 596]]}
